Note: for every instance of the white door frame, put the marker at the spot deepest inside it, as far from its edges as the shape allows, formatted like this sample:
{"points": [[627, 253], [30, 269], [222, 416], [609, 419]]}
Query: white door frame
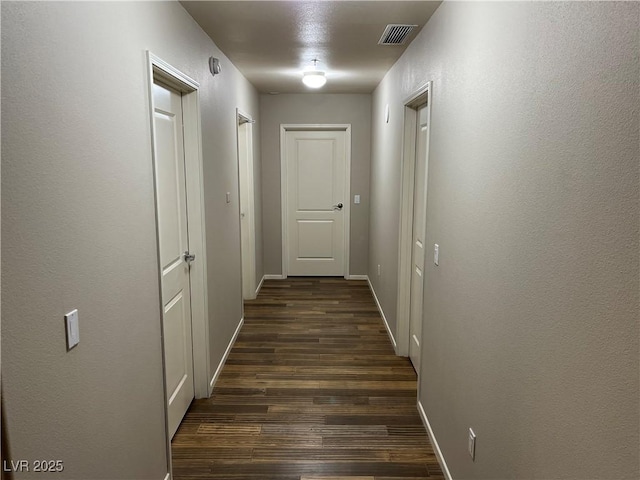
{"points": [[340, 127], [159, 69], [245, 184], [406, 208]]}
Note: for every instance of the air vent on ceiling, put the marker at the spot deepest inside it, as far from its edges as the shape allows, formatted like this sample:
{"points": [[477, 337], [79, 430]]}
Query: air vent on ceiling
{"points": [[395, 34]]}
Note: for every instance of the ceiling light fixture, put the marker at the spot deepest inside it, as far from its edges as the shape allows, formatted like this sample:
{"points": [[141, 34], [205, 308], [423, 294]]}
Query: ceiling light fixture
{"points": [[314, 78]]}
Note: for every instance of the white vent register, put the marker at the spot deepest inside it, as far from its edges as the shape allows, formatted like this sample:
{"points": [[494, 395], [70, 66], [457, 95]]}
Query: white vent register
{"points": [[395, 34]]}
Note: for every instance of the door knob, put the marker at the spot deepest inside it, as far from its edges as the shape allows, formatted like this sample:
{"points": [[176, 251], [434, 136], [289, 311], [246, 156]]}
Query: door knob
{"points": [[189, 257], [338, 206]]}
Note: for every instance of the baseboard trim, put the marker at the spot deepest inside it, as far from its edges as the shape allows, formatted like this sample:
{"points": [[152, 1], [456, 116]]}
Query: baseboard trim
{"points": [[167, 476], [434, 442], [384, 318], [358, 277], [224, 357], [259, 286], [273, 277]]}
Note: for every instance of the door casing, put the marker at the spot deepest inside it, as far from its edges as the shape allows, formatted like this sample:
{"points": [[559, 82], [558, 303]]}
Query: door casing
{"points": [[161, 70], [284, 128], [420, 96]]}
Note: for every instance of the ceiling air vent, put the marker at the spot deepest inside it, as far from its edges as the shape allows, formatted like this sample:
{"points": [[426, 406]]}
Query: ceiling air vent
{"points": [[395, 34]]}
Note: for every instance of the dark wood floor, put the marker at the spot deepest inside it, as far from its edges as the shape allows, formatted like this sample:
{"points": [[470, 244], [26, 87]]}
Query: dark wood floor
{"points": [[311, 390]]}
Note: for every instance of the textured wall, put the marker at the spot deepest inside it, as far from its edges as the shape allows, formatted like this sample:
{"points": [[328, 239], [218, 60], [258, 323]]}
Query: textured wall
{"points": [[79, 229], [530, 329], [315, 108]]}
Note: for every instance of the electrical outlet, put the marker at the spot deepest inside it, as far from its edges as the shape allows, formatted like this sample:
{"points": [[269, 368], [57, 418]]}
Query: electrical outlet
{"points": [[472, 444], [378, 269]]}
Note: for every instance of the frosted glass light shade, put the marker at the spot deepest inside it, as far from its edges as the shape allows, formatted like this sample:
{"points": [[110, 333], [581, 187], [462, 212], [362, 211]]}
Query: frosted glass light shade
{"points": [[314, 79]]}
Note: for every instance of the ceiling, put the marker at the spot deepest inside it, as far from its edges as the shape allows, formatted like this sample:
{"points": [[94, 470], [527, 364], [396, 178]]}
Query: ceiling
{"points": [[271, 42]]}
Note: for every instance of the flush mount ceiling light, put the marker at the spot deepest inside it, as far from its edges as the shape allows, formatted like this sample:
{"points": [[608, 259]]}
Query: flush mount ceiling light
{"points": [[314, 78]]}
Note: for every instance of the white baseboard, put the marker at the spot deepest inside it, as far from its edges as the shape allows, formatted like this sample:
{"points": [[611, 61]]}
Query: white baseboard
{"points": [[384, 318], [167, 477], [434, 442], [259, 286], [224, 357], [274, 277], [358, 277]]}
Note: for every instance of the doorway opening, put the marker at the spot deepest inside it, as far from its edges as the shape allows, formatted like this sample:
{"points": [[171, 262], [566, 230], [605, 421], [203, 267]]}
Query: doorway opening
{"points": [[247, 205], [413, 248], [180, 228]]}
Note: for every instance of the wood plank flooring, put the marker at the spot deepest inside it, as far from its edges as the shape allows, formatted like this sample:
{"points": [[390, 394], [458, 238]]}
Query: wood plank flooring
{"points": [[312, 390]]}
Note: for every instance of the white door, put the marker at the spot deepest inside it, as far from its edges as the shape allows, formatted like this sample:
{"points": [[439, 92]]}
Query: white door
{"points": [[247, 225], [316, 193], [174, 243], [418, 250]]}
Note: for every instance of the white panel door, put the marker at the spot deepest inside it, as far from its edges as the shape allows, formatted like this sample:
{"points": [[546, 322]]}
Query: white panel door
{"points": [[173, 242], [418, 251], [316, 179]]}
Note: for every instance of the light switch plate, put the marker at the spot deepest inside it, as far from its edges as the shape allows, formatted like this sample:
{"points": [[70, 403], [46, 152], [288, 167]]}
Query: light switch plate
{"points": [[472, 444], [436, 253], [228, 197], [356, 199], [73, 329]]}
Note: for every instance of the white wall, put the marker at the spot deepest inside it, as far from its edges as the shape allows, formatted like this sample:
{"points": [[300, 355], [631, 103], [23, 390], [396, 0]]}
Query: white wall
{"points": [[79, 230], [316, 108], [530, 330]]}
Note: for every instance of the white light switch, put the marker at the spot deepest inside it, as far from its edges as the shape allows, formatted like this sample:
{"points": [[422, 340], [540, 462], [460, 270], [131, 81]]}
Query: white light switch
{"points": [[436, 249], [73, 329], [228, 197], [356, 199], [472, 444]]}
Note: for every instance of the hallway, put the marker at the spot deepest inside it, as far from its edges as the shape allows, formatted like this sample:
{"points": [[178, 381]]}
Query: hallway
{"points": [[311, 390], [526, 254]]}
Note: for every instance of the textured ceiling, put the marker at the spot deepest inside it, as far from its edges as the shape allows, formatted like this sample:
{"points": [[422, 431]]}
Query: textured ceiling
{"points": [[272, 42]]}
